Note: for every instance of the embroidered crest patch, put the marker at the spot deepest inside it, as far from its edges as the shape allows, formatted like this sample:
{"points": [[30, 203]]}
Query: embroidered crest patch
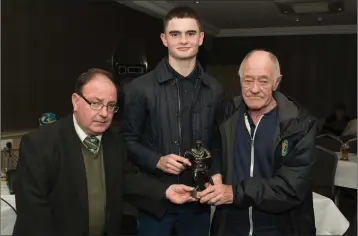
{"points": [[284, 148]]}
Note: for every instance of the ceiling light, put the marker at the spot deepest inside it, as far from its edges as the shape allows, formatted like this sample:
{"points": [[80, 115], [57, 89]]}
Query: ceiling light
{"points": [[310, 8], [298, 7], [197, 2]]}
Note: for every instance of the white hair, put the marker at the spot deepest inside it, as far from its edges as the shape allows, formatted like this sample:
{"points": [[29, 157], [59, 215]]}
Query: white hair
{"points": [[272, 57]]}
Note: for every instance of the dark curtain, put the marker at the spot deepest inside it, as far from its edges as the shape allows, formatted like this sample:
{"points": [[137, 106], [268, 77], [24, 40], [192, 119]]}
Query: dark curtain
{"points": [[46, 45], [318, 70]]}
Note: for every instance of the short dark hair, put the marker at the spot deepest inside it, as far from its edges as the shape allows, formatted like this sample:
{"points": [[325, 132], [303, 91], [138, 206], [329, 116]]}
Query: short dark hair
{"points": [[181, 13], [86, 77]]}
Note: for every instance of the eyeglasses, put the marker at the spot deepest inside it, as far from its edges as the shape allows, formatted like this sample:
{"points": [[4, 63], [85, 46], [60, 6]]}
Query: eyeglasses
{"points": [[98, 105]]}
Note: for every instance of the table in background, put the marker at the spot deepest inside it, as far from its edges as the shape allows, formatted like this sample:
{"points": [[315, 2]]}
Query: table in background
{"points": [[346, 172], [329, 219]]}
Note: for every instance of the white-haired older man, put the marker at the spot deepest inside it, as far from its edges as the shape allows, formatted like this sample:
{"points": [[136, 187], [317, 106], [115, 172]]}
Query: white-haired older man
{"points": [[268, 152]]}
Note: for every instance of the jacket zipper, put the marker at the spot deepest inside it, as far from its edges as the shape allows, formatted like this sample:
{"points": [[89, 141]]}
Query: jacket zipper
{"points": [[192, 106], [252, 157], [179, 123]]}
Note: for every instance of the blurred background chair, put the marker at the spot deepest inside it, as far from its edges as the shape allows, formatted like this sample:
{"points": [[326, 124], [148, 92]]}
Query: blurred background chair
{"points": [[352, 145], [345, 138], [352, 230], [329, 142], [324, 170]]}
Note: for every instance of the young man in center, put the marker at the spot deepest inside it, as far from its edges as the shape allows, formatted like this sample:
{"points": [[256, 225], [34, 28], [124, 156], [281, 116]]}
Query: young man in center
{"points": [[165, 112]]}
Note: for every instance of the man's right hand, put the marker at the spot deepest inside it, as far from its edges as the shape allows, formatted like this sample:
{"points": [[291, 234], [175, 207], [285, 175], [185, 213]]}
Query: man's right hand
{"points": [[217, 179], [172, 164], [179, 194]]}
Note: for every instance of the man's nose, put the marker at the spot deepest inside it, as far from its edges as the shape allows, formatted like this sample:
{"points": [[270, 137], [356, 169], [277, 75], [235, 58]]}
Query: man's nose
{"points": [[104, 111], [183, 39], [255, 87]]}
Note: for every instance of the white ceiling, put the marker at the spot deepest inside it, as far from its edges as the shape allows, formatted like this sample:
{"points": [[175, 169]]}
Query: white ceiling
{"points": [[256, 18]]}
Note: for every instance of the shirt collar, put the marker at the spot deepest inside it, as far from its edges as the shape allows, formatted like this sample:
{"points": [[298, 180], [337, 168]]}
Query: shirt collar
{"points": [[272, 112], [192, 77], [81, 134]]}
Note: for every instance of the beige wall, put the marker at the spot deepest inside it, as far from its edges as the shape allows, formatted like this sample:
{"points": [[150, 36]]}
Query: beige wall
{"points": [[15, 137], [8, 161]]}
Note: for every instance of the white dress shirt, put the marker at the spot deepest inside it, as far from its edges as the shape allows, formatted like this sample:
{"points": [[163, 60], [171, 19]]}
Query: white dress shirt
{"points": [[81, 134]]}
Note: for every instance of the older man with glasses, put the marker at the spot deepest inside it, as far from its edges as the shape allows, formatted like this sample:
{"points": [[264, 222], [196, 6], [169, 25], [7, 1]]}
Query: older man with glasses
{"points": [[74, 174]]}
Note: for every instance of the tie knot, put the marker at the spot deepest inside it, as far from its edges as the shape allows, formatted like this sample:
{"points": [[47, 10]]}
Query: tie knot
{"points": [[91, 143]]}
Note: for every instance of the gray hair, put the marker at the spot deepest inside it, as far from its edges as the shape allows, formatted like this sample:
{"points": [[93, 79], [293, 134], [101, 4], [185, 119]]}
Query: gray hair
{"points": [[272, 57]]}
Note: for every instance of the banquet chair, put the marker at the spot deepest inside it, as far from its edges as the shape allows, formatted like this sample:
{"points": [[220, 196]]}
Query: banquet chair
{"points": [[329, 142], [352, 230], [352, 145], [324, 170]]}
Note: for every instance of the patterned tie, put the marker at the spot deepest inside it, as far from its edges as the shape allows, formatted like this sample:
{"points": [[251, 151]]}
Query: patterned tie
{"points": [[91, 144]]}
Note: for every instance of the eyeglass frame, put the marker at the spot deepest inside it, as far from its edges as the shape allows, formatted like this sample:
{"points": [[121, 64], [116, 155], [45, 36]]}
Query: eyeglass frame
{"points": [[115, 107]]}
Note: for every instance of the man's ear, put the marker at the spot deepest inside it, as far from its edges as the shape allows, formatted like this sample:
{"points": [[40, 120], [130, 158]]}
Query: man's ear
{"points": [[201, 38], [277, 83], [75, 99], [164, 39]]}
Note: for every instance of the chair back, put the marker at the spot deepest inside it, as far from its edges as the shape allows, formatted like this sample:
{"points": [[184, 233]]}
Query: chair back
{"points": [[329, 142], [352, 229], [352, 145], [345, 138], [324, 170]]}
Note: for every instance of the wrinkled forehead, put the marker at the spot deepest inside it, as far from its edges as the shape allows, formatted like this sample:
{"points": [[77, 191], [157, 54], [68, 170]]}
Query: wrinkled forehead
{"points": [[259, 65]]}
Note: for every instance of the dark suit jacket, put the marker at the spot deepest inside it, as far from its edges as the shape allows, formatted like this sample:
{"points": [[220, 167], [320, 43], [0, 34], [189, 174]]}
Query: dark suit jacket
{"points": [[51, 197]]}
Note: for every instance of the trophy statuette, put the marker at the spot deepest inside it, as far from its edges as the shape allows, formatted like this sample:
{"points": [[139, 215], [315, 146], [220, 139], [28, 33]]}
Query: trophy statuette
{"points": [[201, 160]]}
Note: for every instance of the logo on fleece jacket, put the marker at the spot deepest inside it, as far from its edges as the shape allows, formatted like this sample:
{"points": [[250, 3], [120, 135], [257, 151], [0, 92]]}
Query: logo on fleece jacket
{"points": [[284, 148]]}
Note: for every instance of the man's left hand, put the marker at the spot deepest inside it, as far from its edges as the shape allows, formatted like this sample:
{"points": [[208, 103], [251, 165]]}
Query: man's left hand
{"points": [[217, 194]]}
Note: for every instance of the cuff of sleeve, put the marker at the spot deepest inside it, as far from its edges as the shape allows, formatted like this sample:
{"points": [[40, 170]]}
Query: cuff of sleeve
{"points": [[238, 194], [153, 162]]}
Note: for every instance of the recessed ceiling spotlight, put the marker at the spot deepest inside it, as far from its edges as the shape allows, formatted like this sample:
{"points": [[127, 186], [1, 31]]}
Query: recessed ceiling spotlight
{"points": [[297, 19], [197, 2], [339, 9]]}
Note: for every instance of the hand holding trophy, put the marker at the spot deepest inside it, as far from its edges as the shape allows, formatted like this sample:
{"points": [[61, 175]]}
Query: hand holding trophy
{"points": [[201, 161]]}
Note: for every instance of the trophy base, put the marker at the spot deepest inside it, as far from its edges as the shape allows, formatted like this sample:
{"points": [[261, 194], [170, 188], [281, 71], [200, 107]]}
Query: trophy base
{"points": [[195, 194]]}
